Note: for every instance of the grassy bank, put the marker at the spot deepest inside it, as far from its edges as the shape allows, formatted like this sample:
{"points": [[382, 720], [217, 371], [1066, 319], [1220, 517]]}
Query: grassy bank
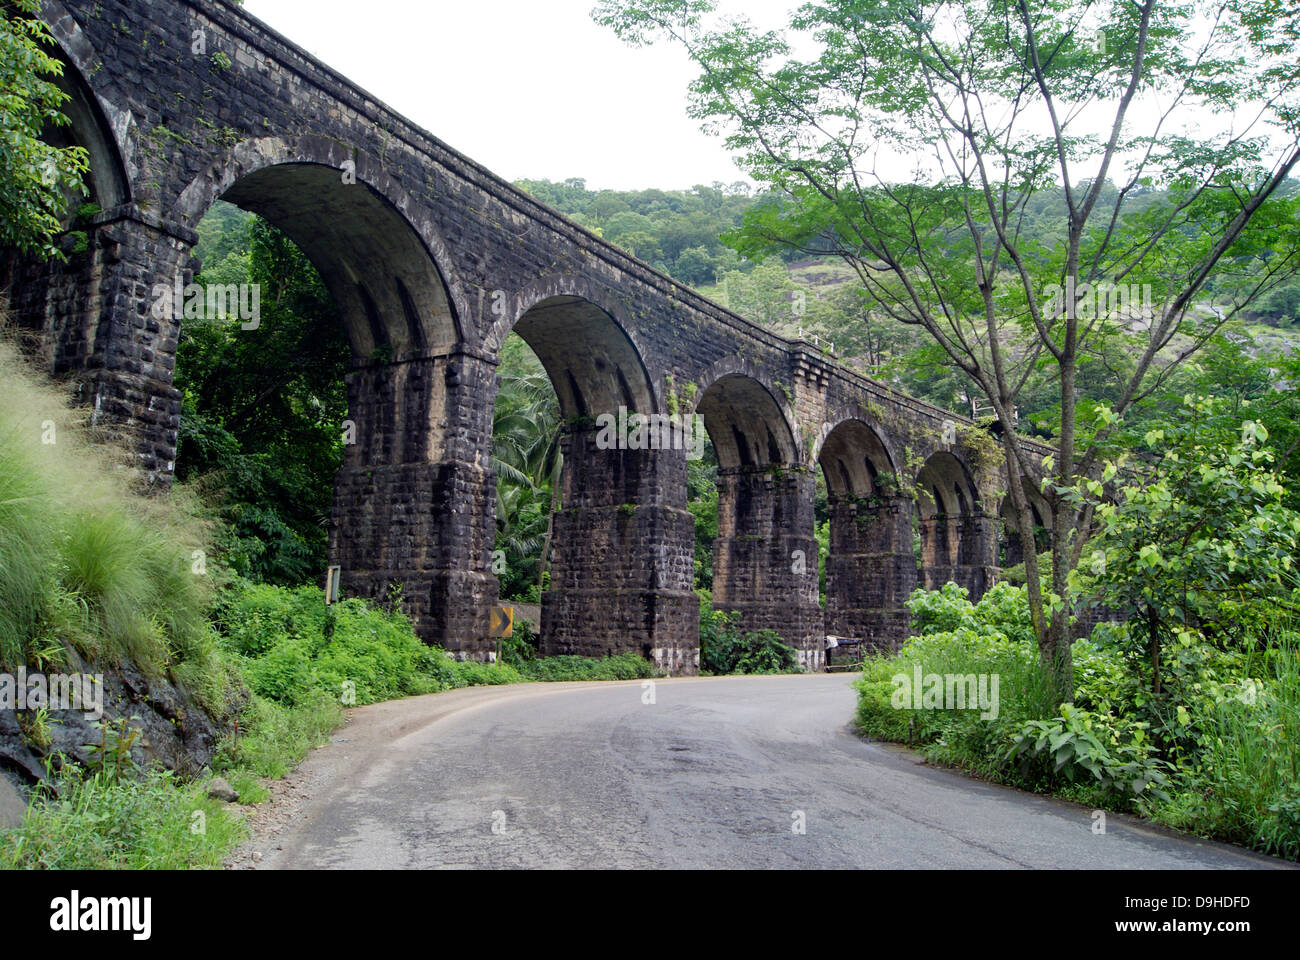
{"points": [[1213, 755]]}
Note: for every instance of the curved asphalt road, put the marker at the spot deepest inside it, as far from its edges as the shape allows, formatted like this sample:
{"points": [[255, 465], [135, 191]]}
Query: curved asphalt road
{"points": [[711, 775]]}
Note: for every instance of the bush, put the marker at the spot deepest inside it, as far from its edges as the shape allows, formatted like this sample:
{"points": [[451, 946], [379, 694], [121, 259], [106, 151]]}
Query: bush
{"points": [[1117, 754], [724, 649], [273, 738], [624, 666], [1203, 757], [1243, 783], [293, 647], [993, 638]]}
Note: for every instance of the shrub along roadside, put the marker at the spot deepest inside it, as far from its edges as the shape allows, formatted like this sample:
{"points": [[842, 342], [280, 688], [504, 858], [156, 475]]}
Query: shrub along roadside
{"points": [[1205, 758], [96, 821], [725, 649]]}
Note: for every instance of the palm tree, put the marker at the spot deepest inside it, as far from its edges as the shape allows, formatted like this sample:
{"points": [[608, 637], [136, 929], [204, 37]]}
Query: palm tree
{"points": [[526, 458]]}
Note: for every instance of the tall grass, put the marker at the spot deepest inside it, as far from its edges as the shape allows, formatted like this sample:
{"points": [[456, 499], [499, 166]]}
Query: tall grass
{"points": [[86, 561], [98, 822], [961, 738], [1247, 786]]}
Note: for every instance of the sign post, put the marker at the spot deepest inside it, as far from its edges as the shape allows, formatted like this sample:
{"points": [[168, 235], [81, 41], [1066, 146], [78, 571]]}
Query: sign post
{"points": [[333, 578], [501, 623]]}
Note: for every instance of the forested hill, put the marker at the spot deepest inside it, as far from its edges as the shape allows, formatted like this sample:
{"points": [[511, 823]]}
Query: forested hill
{"points": [[683, 233], [678, 232]]}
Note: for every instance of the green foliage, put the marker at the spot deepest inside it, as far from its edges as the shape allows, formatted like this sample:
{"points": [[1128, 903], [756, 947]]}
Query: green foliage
{"points": [[676, 231], [293, 649], [273, 738], [1245, 785], [960, 638], [702, 501], [111, 756], [1204, 531], [37, 179], [521, 648], [249, 787], [263, 410], [1248, 381], [624, 666], [102, 822], [87, 561], [725, 649], [1116, 753], [1204, 757], [527, 461], [1003, 608]]}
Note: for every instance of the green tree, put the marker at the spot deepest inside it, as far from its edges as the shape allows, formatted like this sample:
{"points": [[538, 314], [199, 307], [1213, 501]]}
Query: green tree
{"points": [[263, 410], [1246, 387], [767, 295], [527, 461], [1199, 538], [36, 179], [695, 266], [1003, 110]]}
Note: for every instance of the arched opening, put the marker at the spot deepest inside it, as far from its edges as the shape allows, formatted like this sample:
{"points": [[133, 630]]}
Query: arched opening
{"points": [[390, 294], [765, 553], [746, 426], [613, 560], [957, 540], [593, 365], [56, 303], [526, 464], [106, 181], [313, 353], [870, 566]]}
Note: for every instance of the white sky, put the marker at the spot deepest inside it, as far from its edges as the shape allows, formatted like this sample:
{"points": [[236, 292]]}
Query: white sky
{"points": [[529, 89], [534, 88]]}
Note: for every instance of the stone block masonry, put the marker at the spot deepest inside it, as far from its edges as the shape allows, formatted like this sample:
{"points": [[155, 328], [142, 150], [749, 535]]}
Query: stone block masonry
{"points": [[433, 260]]}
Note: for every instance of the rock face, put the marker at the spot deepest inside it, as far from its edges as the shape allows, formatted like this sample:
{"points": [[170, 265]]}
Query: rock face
{"points": [[174, 729]]}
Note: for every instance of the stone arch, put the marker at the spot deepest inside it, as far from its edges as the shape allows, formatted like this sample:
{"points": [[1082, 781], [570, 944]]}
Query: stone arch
{"points": [[958, 540], [765, 553], [382, 259], [855, 459], [620, 542], [594, 362], [1012, 550], [106, 129], [946, 487], [870, 566], [747, 422]]}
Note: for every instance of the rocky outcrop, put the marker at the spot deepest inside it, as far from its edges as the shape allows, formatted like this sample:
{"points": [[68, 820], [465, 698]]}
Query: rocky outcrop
{"points": [[174, 729]]}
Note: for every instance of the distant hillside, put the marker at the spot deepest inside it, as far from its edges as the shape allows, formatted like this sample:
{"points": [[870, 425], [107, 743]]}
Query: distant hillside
{"points": [[683, 233]]}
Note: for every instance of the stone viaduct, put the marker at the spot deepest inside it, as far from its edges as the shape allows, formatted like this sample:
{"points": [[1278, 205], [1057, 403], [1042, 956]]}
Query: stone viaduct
{"points": [[433, 260]]}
